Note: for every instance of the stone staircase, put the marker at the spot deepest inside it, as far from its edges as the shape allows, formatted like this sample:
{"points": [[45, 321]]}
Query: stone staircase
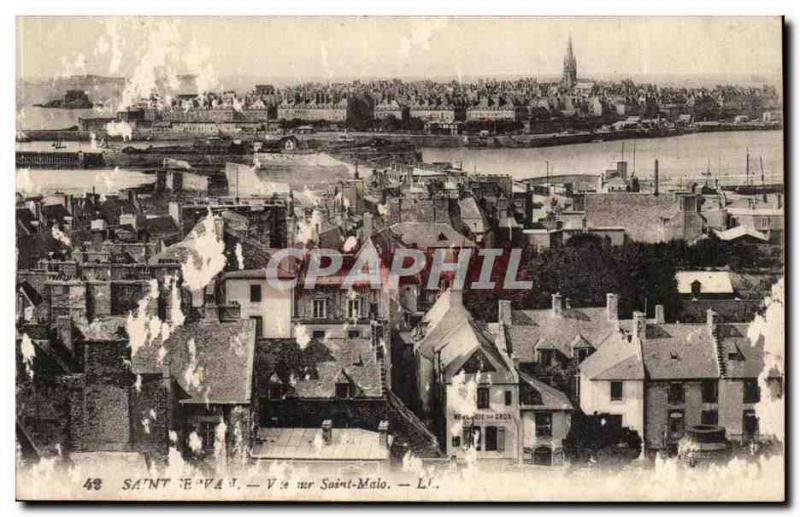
{"points": [[409, 429]]}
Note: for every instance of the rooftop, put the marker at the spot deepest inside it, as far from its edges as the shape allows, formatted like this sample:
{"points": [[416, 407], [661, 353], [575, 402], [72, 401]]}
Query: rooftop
{"points": [[212, 361], [307, 444], [711, 282]]}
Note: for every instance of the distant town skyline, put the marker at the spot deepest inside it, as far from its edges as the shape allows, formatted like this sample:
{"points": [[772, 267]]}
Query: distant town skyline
{"points": [[345, 48]]}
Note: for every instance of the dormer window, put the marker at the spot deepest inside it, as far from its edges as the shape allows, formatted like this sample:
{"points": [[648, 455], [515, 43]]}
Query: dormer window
{"points": [[345, 390]]}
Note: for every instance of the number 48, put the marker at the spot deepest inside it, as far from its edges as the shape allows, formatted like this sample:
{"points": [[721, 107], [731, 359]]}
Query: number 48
{"points": [[93, 484]]}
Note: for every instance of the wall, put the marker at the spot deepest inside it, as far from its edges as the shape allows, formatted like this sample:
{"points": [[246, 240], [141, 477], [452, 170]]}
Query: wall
{"points": [[595, 396], [561, 421], [275, 307], [731, 407], [425, 384], [658, 409], [498, 414]]}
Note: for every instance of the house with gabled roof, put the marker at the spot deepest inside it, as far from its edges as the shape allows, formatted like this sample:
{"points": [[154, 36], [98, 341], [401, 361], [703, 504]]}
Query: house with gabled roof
{"points": [[550, 343], [611, 380], [701, 374], [468, 386]]}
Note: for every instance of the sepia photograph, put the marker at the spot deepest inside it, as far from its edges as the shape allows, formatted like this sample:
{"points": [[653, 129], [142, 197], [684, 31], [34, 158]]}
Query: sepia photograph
{"points": [[400, 258]]}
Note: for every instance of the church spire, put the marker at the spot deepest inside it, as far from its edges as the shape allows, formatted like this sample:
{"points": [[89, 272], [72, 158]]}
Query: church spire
{"points": [[570, 74]]}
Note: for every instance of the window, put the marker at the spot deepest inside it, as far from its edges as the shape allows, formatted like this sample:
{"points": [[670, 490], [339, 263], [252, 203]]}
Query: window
{"points": [[255, 293], [344, 390], [318, 334], [320, 308], [697, 288], [710, 391], [762, 223], [544, 425], [354, 334], [616, 390], [208, 432], [276, 391], [483, 398], [259, 325], [509, 397], [709, 417], [751, 392], [354, 308], [675, 395], [583, 353], [546, 357], [749, 424]]}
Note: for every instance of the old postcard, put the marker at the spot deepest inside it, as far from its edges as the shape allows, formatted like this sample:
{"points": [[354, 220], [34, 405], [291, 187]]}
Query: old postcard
{"points": [[400, 259]]}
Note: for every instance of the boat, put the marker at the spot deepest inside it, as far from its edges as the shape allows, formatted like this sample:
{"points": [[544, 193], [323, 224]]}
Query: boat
{"points": [[59, 144]]}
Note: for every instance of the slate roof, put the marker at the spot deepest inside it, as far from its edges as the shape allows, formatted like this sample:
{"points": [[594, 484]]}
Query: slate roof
{"points": [[37, 246], [472, 215], [55, 211], [25, 218], [616, 359], [749, 360], [533, 330], [112, 208], [313, 371], [160, 225], [452, 334], [109, 328], [218, 354], [680, 351], [542, 395], [429, 235], [641, 214], [30, 292]]}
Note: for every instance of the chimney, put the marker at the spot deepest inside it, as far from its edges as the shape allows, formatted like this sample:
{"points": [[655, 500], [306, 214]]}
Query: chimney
{"points": [[567, 303], [327, 431], [660, 314], [64, 330], [367, 229], [612, 306], [655, 176], [504, 312], [528, 204], [557, 304], [98, 236], [622, 169], [712, 321], [778, 201], [68, 203], [383, 433], [639, 326]]}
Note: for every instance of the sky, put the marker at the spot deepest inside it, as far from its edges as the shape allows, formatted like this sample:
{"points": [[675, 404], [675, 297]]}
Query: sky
{"points": [[406, 47]]}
